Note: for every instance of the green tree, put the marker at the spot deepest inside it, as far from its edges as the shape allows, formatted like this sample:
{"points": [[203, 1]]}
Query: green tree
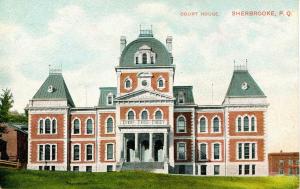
{"points": [[6, 102]]}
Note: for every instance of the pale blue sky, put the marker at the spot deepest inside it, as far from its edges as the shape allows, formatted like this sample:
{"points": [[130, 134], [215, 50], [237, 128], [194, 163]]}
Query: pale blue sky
{"points": [[84, 36]]}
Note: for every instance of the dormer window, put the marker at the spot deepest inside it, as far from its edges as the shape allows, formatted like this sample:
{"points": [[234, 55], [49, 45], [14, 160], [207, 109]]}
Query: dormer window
{"points": [[136, 60], [110, 99], [181, 97], [145, 55], [144, 58], [152, 62]]}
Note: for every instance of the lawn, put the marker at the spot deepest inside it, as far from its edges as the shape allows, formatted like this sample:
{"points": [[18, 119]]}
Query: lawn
{"points": [[10, 178]]}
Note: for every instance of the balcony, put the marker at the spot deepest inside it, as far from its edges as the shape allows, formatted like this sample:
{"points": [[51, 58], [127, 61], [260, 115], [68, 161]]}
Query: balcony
{"points": [[147, 123]]}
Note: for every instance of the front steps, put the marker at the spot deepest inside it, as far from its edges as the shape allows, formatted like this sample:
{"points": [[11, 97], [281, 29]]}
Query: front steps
{"points": [[157, 167]]}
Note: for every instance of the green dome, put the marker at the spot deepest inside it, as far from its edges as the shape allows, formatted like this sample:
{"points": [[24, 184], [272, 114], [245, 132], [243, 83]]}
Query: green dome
{"points": [[163, 56]]}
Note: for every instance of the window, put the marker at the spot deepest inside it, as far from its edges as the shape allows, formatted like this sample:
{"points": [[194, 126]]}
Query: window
{"points": [[281, 163], [239, 124], [203, 151], [127, 83], [216, 169], [281, 172], [130, 115], [110, 99], [203, 125], [253, 169], [89, 152], [181, 151], [52, 168], [76, 126], [76, 168], [109, 125], [203, 169], [290, 162], [160, 83], [89, 126], [244, 151], [136, 60], [181, 126], [47, 152], [216, 125], [109, 168], [158, 115], [41, 126], [152, 62], [253, 124], [89, 168], [240, 169], [180, 97], [47, 126], [290, 171], [53, 126], [144, 115], [216, 151], [109, 151], [246, 123], [144, 58], [76, 152], [247, 169]]}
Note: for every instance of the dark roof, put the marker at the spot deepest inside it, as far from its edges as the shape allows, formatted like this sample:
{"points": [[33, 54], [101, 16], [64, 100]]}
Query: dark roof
{"points": [[188, 94], [235, 87], [164, 57], [104, 91], [60, 89]]}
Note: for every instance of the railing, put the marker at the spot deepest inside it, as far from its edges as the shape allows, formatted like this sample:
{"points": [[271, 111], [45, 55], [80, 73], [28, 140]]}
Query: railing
{"points": [[143, 122], [5, 163]]}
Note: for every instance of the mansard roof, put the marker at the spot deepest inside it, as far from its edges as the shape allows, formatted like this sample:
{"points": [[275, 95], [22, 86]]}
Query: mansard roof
{"points": [[188, 94], [163, 58], [59, 89], [104, 92], [251, 88]]}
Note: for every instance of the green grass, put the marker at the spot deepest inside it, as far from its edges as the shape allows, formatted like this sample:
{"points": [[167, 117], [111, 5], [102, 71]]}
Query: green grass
{"points": [[10, 178]]}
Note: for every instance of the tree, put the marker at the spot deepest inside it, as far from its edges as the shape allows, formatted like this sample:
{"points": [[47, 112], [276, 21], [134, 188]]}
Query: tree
{"points": [[6, 102]]}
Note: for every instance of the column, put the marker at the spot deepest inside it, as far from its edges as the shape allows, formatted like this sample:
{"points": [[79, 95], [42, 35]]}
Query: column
{"points": [[165, 146], [136, 141], [151, 146], [125, 149]]}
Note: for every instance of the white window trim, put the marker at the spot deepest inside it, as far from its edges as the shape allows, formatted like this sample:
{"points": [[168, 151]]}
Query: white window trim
{"points": [[199, 147], [148, 115], [72, 152], [237, 125], [250, 150], [134, 114], [85, 158], [85, 128], [129, 79], [73, 126], [113, 159], [162, 114], [45, 126], [250, 122], [106, 125], [213, 151], [44, 152], [185, 150], [255, 123], [185, 129], [164, 82], [43, 120], [206, 124], [212, 124], [181, 94], [55, 125], [112, 99]]}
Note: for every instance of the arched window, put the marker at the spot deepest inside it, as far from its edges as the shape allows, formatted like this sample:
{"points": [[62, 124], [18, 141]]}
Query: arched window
{"points": [[160, 83], [152, 62], [181, 125], [54, 126], [246, 123], [76, 127], [109, 125], [130, 115], [203, 125], [239, 124], [127, 84], [89, 126], [253, 124], [158, 115], [136, 60], [41, 126], [144, 115], [47, 151], [47, 126], [110, 99], [144, 58], [216, 125]]}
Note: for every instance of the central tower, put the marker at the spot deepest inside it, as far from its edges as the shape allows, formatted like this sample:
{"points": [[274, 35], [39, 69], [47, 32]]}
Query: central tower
{"points": [[144, 101]]}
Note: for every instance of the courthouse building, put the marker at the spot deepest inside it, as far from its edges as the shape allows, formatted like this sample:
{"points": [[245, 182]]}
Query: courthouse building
{"points": [[148, 123]]}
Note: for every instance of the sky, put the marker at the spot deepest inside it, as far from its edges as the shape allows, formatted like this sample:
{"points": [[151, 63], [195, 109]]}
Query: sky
{"points": [[84, 38]]}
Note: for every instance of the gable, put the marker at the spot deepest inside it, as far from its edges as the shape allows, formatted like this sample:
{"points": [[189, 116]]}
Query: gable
{"points": [[144, 95]]}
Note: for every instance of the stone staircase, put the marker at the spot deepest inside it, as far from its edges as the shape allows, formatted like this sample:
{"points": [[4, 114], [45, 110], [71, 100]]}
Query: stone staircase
{"points": [[144, 166]]}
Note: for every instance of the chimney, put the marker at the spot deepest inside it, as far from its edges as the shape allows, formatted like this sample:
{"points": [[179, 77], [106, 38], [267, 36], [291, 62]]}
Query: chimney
{"points": [[122, 44], [169, 43]]}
